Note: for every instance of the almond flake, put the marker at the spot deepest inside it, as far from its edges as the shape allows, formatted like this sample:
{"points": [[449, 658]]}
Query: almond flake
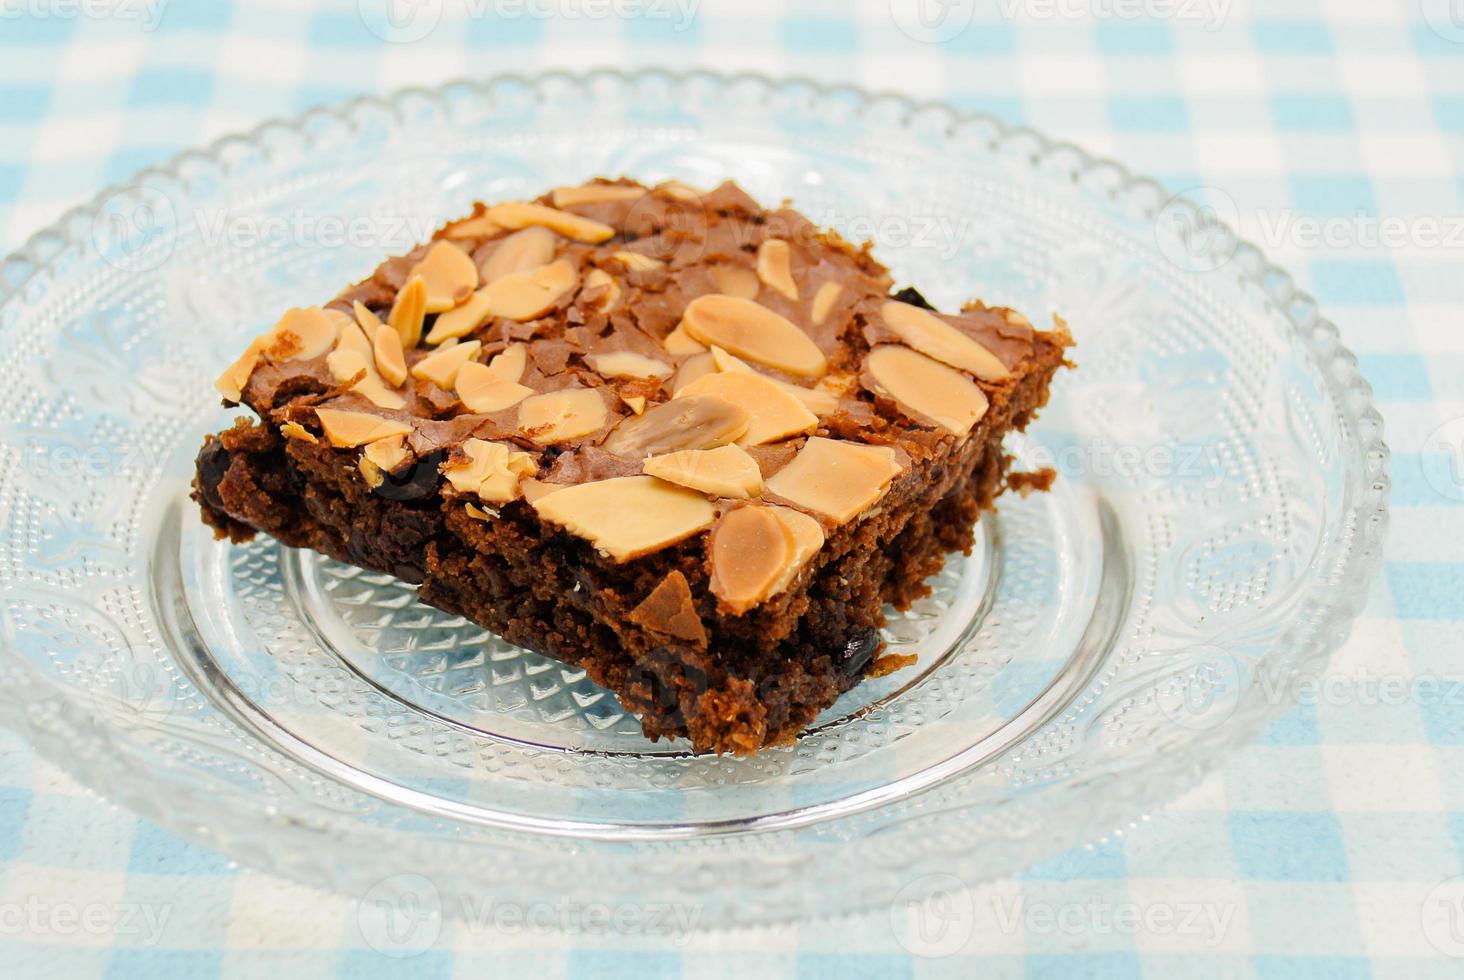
{"points": [[231, 383], [527, 248], [836, 478], [807, 535], [925, 388], [775, 267], [391, 364], [387, 453], [370, 472], [595, 281], [628, 516], [491, 470], [528, 295], [636, 262], [346, 430], [773, 413], [815, 400], [679, 343], [510, 363], [354, 355], [755, 332], [568, 197], [409, 312], [520, 215], [627, 364], [449, 275], [294, 430], [636, 403], [479, 227], [823, 301], [462, 321], [931, 335], [723, 472], [485, 391], [696, 366], [734, 280], [686, 423], [367, 320], [562, 415], [749, 549], [300, 335], [441, 366]]}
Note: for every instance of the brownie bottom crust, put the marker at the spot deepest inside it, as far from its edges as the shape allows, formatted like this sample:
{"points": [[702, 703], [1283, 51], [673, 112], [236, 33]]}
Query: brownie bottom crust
{"points": [[745, 682]]}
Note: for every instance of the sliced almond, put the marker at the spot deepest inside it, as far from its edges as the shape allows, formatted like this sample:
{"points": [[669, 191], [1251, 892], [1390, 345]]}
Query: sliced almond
{"points": [[510, 363], [485, 391], [735, 280], [817, 401], [370, 472], [345, 364], [520, 215], [568, 197], [636, 262], [478, 513], [462, 321], [409, 312], [686, 423], [596, 281], [441, 366], [823, 301], [294, 430], [836, 478], [532, 489], [627, 364], [527, 248], [491, 470], [367, 320], [562, 415], [628, 516], [925, 388], [527, 295], [696, 366], [479, 227], [387, 453], [755, 332], [679, 343], [680, 190], [723, 472], [775, 267], [773, 413], [449, 275], [636, 403], [346, 430], [807, 535], [749, 550], [931, 335], [300, 335], [231, 383], [391, 364]]}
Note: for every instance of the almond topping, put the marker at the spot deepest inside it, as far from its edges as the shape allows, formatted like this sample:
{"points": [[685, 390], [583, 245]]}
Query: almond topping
{"points": [[680, 190], [627, 364], [775, 267], [734, 280], [696, 366], [526, 295], [749, 550], [370, 472], [931, 335], [628, 516], [450, 276], [409, 311], [532, 489], [477, 311], [510, 363], [835, 478], [807, 535], [387, 453], [485, 391], [636, 262], [441, 366], [478, 513], [596, 280], [346, 430], [520, 215], [479, 227], [724, 472], [754, 332], [492, 471], [773, 413], [390, 362], [368, 321], [525, 249], [300, 335], [354, 355], [568, 197], [231, 383], [817, 401], [686, 423], [636, 403], [679, 343], [294, 430], [823, 301], [925, 388], [562, 415]]}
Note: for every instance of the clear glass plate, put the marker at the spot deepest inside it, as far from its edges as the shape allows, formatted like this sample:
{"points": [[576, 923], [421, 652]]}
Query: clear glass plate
{"points": [[1218, 514]]}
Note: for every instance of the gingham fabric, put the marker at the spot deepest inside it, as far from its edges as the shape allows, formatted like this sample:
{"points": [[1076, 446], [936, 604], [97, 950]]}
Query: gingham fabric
{"points": [[1329, 849]]}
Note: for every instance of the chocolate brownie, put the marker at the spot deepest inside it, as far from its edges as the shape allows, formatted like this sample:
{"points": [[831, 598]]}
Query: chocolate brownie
{"points": [[689, 444]]}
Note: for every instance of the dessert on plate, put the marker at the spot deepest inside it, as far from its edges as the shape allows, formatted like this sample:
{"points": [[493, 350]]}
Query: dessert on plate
{"points": [[689, 444]]}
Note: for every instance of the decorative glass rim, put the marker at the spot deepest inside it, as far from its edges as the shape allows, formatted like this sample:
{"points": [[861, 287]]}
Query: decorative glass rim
{"points": [[1334, 599]]}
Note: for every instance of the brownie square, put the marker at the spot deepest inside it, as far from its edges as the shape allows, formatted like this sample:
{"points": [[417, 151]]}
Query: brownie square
{"points": [[689, 444]]}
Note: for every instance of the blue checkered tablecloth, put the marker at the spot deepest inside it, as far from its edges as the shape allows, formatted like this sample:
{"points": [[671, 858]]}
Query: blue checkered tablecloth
{"points": [[1328, 849]]}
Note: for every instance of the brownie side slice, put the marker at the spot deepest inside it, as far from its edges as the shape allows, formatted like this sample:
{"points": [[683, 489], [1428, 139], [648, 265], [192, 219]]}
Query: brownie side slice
{"points": [[688, 444]]}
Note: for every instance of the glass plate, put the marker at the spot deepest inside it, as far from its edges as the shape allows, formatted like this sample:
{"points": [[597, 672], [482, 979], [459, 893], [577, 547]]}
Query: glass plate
{"points": [[1218, 514]]}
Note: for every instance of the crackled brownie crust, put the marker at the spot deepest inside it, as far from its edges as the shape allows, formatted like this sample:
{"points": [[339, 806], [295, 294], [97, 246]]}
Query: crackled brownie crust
{"points": [[688, 444]]}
